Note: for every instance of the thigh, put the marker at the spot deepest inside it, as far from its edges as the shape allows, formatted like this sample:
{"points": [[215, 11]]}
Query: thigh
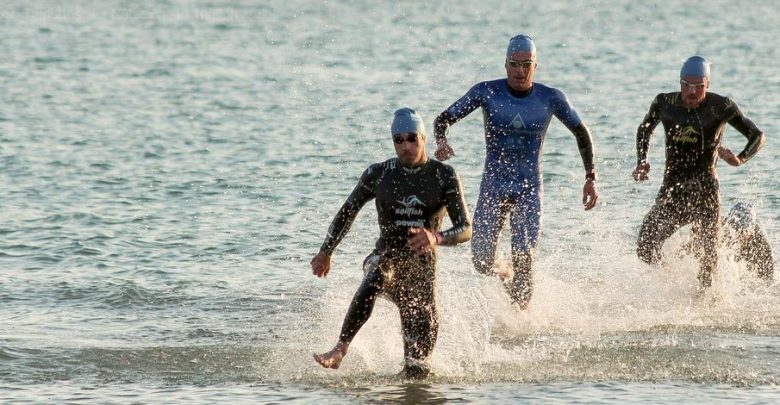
{"points": [[489, 216], [526, 220], [663, 219]]}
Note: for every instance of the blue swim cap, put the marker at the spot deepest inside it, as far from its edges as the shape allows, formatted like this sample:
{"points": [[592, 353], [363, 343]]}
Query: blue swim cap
{"points": [[741, 217], [696, 66], [521, 43], [407, 120]]}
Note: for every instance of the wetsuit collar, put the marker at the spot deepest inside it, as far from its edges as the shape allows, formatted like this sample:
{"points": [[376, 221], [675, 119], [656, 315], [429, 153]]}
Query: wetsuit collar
{"points": [[519, 94], [415, 169]]}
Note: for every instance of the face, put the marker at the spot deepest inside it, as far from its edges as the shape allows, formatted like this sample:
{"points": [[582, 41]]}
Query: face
{"points": [[520, 69], [693, 90], [410, 148]]}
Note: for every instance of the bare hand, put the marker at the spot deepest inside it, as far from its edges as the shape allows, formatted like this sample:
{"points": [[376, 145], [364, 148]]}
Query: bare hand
{"points": [[641, 172], [444, 151], [729, 156], [589, 194], [421, 241], [320, 264]]}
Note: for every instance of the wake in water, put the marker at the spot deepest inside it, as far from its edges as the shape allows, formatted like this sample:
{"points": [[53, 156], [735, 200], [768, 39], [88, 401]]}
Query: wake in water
{"points": [[610, 318]]}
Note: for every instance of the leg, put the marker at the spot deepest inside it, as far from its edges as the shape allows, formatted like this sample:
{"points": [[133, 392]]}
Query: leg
{"points": [[489, 218], [358, 313], [659, 224], [705, 229], [525, 221], [522, 285], [420, 329], [419, 319]]}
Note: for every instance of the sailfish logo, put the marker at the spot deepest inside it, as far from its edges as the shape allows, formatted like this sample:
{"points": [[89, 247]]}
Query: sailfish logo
{"points": [[411, 201], [687, 135], [689, 131], [517, 122]]}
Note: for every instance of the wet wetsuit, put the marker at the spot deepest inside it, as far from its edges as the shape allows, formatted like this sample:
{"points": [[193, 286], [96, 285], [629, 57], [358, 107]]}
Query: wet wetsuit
{"points": [[753, 248], [689, 191], [515, 127], [405, 198]]}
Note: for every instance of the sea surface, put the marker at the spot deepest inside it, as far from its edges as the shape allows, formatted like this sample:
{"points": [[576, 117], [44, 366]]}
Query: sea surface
{"points": [[168, 168]]}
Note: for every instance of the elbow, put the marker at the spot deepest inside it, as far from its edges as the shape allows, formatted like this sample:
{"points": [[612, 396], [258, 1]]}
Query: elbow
{"points": [[467, 234], [761, 141]]}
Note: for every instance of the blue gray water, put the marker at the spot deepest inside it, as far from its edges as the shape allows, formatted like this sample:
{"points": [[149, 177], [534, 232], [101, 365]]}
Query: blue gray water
{"points": [[169, 167]]}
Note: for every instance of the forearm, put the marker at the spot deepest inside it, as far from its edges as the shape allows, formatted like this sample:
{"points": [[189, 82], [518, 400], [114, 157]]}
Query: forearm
{"points": [[459, 216], [585, 146], [339, 227], [440, 126], [756, 140], [361, 194], [642, 143]]}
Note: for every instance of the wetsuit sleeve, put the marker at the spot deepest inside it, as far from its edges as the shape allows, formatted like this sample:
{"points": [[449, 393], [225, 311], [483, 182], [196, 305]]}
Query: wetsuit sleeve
{"points": [[563, 110], [456, 209], [645, 131], [585, 145], [746, 127], [363, 193], [459, 109]]}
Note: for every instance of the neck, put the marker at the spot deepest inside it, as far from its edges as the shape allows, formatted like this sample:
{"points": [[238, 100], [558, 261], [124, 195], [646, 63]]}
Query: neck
{"points": [[520, 93], [416, 163]]}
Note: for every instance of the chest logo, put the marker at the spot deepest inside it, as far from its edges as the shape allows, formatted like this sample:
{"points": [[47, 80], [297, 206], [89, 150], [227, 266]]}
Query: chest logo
{"points": [[687, 135], [411, 201], [411, 207], [517, 122]]}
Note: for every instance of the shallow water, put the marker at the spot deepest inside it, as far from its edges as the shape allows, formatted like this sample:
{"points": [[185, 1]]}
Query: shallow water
{"points": [[170, 167]]}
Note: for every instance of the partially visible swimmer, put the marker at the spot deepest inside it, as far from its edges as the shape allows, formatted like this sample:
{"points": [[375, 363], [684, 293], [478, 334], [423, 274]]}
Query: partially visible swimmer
{"points": [[742, 233], [412, 192]]}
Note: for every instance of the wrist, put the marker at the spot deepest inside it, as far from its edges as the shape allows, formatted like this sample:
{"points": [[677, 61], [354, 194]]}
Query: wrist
{"points": [[439, 237], [590, 176]]}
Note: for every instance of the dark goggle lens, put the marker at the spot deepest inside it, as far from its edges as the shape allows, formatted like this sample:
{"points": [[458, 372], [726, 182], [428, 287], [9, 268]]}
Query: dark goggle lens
{"points": [[400, 139]]}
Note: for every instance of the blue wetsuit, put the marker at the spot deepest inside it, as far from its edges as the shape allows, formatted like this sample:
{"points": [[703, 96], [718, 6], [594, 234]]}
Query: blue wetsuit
{"points": [[515, 126]]}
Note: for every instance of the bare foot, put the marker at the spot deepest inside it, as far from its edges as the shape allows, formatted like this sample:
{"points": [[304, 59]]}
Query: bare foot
{"points": [[332, 359]]}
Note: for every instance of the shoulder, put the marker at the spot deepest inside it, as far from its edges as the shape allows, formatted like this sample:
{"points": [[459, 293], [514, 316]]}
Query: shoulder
{"points": [[440, 166], [548, 92], [377, 170], [668, 98], [442, 170], [489, 86], [545, 89], [719, 100]]}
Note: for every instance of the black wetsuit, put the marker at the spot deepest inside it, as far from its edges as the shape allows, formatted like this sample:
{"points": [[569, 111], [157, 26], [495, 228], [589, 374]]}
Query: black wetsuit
{"points": [[405, 198], [753, 248], [689, 193]]}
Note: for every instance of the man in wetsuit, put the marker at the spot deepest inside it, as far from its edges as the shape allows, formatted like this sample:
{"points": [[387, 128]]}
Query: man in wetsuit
{"points": [[750, 245], [694, 121], [412, 193], [516, 114]]}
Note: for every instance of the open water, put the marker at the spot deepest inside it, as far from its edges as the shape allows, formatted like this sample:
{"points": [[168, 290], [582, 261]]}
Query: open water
{"points": [[169, 167]]}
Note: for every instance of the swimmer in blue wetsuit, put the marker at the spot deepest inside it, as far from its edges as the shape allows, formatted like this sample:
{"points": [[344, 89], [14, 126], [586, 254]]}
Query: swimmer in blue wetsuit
{"points": [[516, 113]]}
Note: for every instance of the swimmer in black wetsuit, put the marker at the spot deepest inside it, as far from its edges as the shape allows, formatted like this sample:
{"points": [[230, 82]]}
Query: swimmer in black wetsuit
{"points": [[694, 121], [412, 193]]}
